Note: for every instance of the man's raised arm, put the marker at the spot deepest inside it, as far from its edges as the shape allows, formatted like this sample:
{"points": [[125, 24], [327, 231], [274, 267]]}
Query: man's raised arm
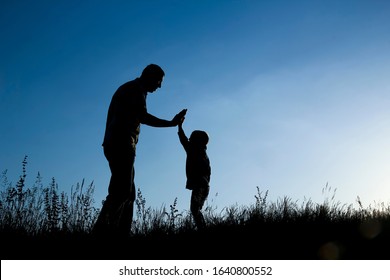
{"points": [[151, 120]]}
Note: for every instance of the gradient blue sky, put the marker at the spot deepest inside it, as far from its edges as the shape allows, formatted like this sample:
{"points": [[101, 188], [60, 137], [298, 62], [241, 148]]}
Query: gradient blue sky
{"points": [[294, 94]]}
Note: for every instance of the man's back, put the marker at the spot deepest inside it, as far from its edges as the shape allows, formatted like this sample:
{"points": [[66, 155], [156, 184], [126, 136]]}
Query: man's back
{"points": [[123, 118]]}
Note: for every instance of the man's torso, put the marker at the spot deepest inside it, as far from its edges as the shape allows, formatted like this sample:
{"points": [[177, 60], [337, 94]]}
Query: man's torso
{"points": [[127, 106]]}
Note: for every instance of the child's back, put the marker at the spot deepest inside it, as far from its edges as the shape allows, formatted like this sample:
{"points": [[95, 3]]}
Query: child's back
{"points": [[198, 169]]}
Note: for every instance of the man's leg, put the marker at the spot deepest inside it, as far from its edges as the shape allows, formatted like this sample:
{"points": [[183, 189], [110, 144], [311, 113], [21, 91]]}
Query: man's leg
{"points": [[125, 211], [117, 211]]}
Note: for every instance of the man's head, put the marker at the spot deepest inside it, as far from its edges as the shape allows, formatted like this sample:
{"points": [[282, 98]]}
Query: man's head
{"points": [[199, 137], [152, 77]]}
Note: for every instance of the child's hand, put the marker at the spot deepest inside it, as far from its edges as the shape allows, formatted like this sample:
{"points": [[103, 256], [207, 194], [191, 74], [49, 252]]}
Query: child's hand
{"points": [[181, 121], [179, 117]]}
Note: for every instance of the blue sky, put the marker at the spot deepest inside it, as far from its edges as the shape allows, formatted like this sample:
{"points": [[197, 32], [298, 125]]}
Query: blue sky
{"points": [[294, 94]]}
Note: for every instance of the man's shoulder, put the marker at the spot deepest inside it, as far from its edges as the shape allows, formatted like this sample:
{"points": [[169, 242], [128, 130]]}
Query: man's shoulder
{"points": [[130, 84], [130, 88]]}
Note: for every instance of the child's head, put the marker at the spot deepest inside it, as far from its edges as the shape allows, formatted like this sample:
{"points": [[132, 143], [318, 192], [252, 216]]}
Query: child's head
{"points": [[199, 137]]}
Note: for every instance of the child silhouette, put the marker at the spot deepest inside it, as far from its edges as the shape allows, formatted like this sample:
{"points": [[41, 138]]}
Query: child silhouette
{"points": [[198, 170]]}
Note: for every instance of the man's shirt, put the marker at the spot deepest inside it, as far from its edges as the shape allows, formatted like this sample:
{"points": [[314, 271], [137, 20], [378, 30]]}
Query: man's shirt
{"points": [[127, 106]]}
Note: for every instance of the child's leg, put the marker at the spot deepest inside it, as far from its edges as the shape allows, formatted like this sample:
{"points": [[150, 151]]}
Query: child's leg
{"points": [[198, 198]]}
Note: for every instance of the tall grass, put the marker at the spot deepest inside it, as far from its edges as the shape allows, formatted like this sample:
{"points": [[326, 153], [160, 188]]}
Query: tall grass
{"points": [[41, 210]]}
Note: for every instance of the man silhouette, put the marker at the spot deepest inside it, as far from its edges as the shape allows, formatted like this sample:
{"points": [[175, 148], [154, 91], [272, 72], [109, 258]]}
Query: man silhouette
{"points": [[126, 113]]}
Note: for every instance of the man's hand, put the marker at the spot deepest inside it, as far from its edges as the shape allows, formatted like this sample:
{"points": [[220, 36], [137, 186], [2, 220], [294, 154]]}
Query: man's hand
{"points": [[179, 118]]}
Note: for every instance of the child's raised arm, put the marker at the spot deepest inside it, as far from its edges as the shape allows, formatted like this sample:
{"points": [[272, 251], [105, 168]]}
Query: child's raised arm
{"points": [[182, 136]]}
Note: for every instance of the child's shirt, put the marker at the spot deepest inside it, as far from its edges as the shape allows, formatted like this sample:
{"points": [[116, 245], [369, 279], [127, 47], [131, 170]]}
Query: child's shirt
{"points": [[198, 170]]}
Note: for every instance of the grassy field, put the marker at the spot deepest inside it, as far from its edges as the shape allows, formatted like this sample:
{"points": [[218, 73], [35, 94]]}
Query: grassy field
{"points": [[39, 222]]}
